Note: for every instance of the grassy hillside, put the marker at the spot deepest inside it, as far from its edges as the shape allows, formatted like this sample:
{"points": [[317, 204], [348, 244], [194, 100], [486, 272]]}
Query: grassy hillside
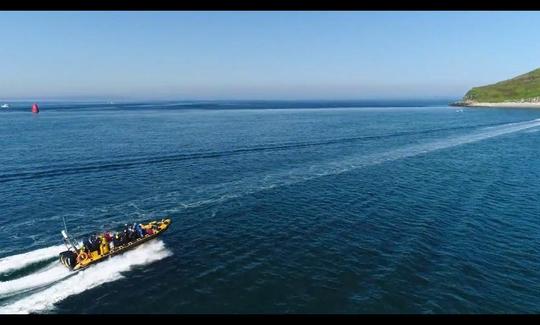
{"points": [[525, 87]]}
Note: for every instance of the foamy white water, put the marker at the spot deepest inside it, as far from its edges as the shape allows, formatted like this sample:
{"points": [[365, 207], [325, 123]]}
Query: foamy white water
{"points": [[53, 273], [19, 261], [94, 276]]}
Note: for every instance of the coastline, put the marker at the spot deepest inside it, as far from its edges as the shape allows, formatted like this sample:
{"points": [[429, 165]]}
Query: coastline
{"points": [[503, 104]]}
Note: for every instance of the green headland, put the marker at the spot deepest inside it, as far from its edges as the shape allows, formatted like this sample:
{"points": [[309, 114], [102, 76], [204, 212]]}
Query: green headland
{"points": [[523, 89]]}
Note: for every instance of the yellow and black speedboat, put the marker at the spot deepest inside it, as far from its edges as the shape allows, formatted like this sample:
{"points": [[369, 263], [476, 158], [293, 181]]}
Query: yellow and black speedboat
{"points": [[106, 245]]}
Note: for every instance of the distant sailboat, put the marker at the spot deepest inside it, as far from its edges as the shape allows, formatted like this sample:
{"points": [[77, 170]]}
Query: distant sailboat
{"points": [[5, 106]]}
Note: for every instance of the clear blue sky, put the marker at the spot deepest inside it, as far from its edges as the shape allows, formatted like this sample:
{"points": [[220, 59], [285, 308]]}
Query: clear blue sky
{"points": [[261, 55]]}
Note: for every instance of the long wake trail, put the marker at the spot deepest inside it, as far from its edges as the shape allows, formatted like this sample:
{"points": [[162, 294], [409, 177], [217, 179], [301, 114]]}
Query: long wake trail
{"points": [[176, 201], [230, 190]]}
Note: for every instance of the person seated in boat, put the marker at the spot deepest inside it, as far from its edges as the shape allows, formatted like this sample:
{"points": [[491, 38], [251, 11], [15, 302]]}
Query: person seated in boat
{"points": [[117, 240], [130, 234], [148, 229], [109, 239], [125, 236], [96, 242], [86, 244], [139, 230], [124, 233], [90, 243], [102, 245], [135, 233]]}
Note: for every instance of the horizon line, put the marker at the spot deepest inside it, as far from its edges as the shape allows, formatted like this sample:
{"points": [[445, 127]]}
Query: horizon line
{"points": [[225, 100]]}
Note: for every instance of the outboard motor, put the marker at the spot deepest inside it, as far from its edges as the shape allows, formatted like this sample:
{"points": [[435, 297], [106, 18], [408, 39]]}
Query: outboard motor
{"points": [[69, 259]]}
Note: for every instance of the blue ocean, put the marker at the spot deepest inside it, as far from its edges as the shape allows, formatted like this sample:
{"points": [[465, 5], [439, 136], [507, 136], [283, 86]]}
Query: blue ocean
{"points": [[276, 207]]}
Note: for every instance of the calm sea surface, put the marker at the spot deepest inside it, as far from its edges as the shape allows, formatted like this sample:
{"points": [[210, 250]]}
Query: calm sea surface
{"points": [[315, 207]]}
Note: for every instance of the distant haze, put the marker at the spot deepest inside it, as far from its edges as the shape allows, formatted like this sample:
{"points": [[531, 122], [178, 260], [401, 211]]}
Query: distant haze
{"points": [[261, 55]]}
